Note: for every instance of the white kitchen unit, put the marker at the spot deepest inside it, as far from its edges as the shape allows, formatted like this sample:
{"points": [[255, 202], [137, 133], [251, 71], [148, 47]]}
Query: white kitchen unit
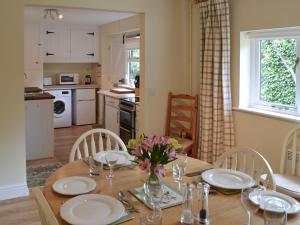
{"points": [[84, 106], [112, 114], [33, 64], [70, 44], [56, 41], [39, 129]]}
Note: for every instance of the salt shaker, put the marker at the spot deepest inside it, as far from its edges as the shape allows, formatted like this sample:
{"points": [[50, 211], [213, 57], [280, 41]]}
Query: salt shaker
{"points": [[203, 212], [187, 209]]}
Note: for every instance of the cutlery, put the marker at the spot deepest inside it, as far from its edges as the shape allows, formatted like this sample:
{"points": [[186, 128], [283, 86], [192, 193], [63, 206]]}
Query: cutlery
{"points": [[125, 200], [196, 173]]}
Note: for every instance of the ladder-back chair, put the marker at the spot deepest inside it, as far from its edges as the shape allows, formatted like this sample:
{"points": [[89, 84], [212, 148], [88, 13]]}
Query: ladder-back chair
{"points": [[181, 121], [95, 140]]}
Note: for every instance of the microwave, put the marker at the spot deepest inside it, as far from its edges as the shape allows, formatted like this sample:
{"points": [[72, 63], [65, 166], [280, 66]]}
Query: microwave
{"points": [[69, 78]]}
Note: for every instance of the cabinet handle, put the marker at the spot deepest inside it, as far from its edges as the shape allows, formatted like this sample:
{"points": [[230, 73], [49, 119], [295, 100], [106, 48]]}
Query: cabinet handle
{"points": [[47, 54], [36, 62], [90, 33], [91, 54], [49, 32]]}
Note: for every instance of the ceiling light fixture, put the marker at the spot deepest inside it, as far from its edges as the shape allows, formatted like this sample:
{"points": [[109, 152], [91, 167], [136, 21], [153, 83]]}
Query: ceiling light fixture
{"points": [[52, 14]]}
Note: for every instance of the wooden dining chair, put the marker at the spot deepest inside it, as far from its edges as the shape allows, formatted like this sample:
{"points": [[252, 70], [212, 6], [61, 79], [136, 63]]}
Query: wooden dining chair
{"points": [[288, 180], [95, 140], [250, 162], [181, 121], [46, 214]]}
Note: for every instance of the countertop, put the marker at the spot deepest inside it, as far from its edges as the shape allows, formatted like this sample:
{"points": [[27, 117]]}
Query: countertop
{"points": [[114, 95], [70, 86], [35, 93], [37, 96]]}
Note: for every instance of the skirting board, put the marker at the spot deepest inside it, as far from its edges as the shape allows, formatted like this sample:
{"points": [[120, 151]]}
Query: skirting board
{"points": [[13, 191]]}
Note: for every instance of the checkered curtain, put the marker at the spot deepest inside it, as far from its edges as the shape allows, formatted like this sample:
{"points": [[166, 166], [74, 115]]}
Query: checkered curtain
{"points": [[215, 116]]}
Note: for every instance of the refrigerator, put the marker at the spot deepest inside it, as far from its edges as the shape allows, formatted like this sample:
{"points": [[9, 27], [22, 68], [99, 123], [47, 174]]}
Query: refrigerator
{"points": [[84, 106]]}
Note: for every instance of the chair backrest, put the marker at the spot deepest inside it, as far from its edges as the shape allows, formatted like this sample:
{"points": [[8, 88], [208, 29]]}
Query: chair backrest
{"points": [[290, 153], [249, 161], [102, 138], [182, 116], [46, 214]]}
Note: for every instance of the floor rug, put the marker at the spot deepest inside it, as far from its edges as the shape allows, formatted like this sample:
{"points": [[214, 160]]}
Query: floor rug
{"points": [[37, 175]]}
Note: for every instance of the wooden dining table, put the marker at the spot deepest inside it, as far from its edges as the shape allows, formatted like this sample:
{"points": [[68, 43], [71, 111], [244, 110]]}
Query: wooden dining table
{"points": [[223, 209]]}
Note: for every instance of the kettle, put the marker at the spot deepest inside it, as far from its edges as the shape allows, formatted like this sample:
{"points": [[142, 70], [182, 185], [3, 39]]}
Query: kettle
{"points": [[88, 79]]}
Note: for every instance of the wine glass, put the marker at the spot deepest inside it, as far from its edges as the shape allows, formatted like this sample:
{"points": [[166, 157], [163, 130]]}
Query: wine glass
{"points": [[274, 211], [180, 165], [111, 160], [154, 191], [251, 199]]}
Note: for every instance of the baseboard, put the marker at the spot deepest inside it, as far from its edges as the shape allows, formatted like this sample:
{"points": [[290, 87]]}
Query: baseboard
{"points": [[13, 191]]}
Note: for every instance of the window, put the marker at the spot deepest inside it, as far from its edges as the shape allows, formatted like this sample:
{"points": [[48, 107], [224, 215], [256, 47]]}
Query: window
{"points": [[133, 63], [273, 72]]}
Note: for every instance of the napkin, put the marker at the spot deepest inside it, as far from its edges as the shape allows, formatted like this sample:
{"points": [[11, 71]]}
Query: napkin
{"points": [[127, 216]]}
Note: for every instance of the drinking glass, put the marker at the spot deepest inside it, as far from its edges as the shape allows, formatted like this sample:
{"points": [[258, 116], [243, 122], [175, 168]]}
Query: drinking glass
{"points": [[274, 212], [179, 166], [95, 167], [154, 191], [251, 199], [111, 160]]}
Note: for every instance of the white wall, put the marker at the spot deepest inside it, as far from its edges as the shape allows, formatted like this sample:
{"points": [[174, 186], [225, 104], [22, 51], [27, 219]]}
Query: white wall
{"points": [[164, 70], [259, 132]]}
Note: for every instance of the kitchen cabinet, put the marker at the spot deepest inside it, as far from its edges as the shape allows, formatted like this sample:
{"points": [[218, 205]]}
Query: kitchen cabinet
{"points": [[56, 43], [83, 45], [33, 63], [67, 44], [112, 114], [39, 129]]}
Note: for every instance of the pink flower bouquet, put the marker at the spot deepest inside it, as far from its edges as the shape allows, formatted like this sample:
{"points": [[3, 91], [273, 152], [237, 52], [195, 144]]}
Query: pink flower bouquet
{"points": [[152, 152]]}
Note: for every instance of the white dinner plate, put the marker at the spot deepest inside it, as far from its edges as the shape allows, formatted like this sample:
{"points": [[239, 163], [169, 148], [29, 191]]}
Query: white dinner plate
{"points": [[291, 204], [123, 157], [92, 209], [228, 179], [75, 185]]}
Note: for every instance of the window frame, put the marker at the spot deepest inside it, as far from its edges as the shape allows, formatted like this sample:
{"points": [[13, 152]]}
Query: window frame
{"points": [[131, 59], [254, 100]]}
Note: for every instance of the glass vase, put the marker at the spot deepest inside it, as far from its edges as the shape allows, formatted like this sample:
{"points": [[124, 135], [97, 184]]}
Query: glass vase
{"points": [[154, 192]]}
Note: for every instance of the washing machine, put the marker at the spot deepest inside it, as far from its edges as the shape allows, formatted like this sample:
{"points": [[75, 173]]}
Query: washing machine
{"points": [[62, 108]]}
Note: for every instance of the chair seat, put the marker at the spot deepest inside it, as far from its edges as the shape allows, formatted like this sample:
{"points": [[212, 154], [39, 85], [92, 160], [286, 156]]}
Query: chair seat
{"points": [[185, 143], [287, 184]]}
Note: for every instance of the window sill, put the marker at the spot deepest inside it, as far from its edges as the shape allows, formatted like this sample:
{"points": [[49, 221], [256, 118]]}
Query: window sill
{"points": [[268, 114]]}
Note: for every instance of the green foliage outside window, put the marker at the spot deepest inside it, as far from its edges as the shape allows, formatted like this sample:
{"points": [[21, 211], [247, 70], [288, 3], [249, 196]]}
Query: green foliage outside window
{"points": [[277, 75]]}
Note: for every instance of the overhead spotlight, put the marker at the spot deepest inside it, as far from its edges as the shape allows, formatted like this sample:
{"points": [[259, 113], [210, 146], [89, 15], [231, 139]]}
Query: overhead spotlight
{"points": [[52, 14]]}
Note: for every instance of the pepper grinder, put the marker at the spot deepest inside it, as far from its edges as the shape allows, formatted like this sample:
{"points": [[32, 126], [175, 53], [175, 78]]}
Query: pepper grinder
{"points": [[187, 209], [203, 211]]}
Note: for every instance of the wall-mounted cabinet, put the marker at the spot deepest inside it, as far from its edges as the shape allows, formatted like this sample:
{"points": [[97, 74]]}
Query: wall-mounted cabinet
{"points": [[67, 44]]}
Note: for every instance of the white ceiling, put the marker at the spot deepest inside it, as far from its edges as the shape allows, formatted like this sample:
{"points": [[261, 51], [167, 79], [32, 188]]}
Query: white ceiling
{"points": [[75, 16]]}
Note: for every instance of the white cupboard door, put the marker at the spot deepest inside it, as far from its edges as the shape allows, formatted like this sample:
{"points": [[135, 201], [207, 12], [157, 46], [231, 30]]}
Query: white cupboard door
{"points": [[83, 45], [117, 59], [56, 44], [39, 129], [32, 47], [112, 119]]}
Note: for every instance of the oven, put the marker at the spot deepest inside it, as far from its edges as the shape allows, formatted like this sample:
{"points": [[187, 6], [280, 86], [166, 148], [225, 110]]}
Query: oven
{"points": [[127, 120]]}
